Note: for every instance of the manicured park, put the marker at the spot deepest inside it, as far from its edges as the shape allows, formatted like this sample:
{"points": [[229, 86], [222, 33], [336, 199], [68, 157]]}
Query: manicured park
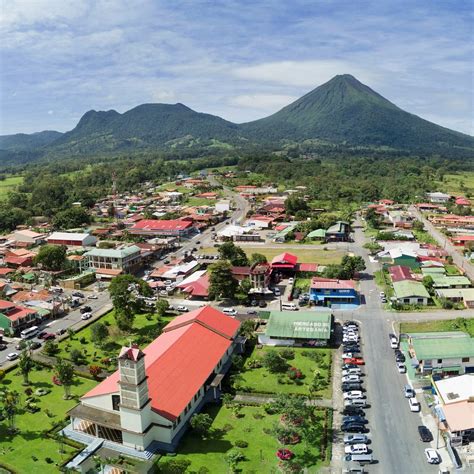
{"points": [[256, 378], [29, 450]]}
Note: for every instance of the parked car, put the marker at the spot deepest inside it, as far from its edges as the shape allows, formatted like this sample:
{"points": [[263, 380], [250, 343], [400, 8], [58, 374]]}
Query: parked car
{"points": [[358, 402], [60, 332], [356, 439], [354, 411], [262, 304], [414, 404], [349, 386], [229, 311], [354, 428], [351, 349], [85, 309], [425, 434], [382, 294], [12, 356], [432, 456], [78, 294], [92, 297], [351, 378], [355, 371], [3, 347], [276, 291], [349, 366], [354, 360], [86, 316], [393, 341], [291, 280], [353, 394], [408, 391], [356, 449], [351, 323], [182, 309], [354, 419], [401, 367], [35, 345], [47, 336], [252, 311], [400, 357]]}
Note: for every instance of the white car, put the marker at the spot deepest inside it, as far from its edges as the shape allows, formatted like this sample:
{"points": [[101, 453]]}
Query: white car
{"points": [[12, 356], [182, 309], [353, 395], [86, 316], [229, 311], [290, 281], [351, 372], [92, 297], [356, 439], [393, 341], [382, 294], [163, 293], [432, 456], [414, 404], [353, 338], [347, 355], [356, 449], [401, 368]]}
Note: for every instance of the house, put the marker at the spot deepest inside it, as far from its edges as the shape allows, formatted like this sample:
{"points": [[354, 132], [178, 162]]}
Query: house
{"points": [[259, 275], [318, 234], [462, 201], [196, 285], [410, 292], [27, 237], [429, 207], [222, 206], [457, 295], [14, 318], [284, 261], [463, 240], [400, 273], [438, 198], [456, 407], [147, 403], [297, 328], [71, 239], [208, 195], [444, 281], [112, 262], [442, 353], [329, 291], [162, 228], [260, 222], [339, 232], [400, 257], [453, 221], [283, 230]]}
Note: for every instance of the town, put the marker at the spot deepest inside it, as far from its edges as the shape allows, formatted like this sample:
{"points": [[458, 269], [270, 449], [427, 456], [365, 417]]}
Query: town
{"points": [[205, 324]]}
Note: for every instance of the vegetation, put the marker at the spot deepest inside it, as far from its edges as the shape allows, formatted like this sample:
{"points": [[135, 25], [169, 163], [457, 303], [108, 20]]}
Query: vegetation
{"points": [[347, 268], [458, 324], [221, 282], [233, 254], [51, 257]]}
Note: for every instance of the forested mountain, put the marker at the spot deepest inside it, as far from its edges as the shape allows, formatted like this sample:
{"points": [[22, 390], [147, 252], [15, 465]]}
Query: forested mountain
{"points": [[342, 111], [23, 141]]}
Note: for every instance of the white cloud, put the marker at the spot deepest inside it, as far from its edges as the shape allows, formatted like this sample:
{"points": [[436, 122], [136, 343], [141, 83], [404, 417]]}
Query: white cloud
{"points": [[265, 102], [50, 112]]}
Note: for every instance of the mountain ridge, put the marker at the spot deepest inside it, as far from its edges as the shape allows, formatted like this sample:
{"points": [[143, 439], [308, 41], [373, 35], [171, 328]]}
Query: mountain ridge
{"points": [[342, 110]]}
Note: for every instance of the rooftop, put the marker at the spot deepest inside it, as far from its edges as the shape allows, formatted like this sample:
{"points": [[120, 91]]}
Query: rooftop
{"points": [[114, 253], [299, 325], [161, 225], [443, 346], [455, 389], [332, 284], [68, 236], [409, 288]]}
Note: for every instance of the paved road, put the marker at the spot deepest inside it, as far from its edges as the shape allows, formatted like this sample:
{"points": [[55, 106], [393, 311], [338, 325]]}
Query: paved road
{"points": [[444, 242], [393, 426]]}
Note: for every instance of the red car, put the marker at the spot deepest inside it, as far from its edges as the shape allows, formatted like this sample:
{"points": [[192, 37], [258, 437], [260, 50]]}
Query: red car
{"points": [[48, 335], [354, 360]]}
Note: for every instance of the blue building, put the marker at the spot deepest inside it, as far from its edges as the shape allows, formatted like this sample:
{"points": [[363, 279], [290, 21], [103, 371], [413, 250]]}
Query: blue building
{"points": [[327, 291]]}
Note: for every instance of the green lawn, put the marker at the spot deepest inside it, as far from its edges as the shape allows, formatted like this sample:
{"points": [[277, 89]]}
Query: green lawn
{"points": [[316, 255], [197, 201], [452, 270], [383, 281], [424, 237], [252, 427], [18, 450], [453, 182], [9, 184], [260, 380], [143, 333], [459, 324]]}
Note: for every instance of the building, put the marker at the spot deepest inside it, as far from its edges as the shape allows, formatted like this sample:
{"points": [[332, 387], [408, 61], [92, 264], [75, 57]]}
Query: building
{"points": [[162, 228], [147, 403], [410, 292], [438, 198], [400, 273], [455, 407], [259, 275], [259, 222], [14, 318], [400, 256], [222, 206], [329, 291], [297, 328], [71, 239], [285, 261], [444, 281], [27, 237], [442, 353], [126, 260], [318, 234], [458, 295], [462, 240], [339, 232], [196, 285], [462, 201]]}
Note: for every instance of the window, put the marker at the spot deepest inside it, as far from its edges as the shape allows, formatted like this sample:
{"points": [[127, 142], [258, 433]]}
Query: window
{"points": [[466, 359], [440, 361], [115, 402]]}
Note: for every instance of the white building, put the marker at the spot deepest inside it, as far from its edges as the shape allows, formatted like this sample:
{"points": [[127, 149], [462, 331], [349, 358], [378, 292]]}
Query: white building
{"points": [[76, 239]]}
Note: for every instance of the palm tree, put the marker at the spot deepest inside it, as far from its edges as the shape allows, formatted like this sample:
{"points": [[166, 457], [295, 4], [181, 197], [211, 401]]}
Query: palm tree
{"points": [[65, 373], [11, 401], [25, 365]]}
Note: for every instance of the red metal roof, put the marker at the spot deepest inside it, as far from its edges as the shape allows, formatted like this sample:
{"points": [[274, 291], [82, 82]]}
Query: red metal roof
{"points": [[6, 270], [400, 273], [199, 287], [307, 267], [6, 304], [332, 284], [181, 359], [462, 201], [284, 259], [155, 224]]}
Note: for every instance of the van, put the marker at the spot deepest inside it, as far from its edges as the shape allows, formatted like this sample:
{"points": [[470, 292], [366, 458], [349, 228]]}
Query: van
{"points": [[289, 306], [414, 404], [360, 458]]}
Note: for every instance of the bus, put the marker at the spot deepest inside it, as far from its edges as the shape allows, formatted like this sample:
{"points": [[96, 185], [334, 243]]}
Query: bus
{"points": [[30, 332]]}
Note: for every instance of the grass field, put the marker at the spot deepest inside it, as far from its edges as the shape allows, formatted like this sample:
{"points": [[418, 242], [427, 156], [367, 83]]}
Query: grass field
{"points": [[454, 182], [21, 449], [424, 237], [252, 427], [260, 380], [316, 255], [9, 184], [458, 324]]}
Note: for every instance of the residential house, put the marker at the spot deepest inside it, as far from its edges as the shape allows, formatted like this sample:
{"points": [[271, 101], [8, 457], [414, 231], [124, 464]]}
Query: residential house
{"points": [[259, 275], [28, 237], [462, 201], [147, 403], [457, 295], [410, 292], [318, 234], [463, 240], [222, 206], [196, 286], [442, 353], [297, 328], [339, 232], [438, 198], [445, 281], [400, 273], [328, 291], [14, 318]]}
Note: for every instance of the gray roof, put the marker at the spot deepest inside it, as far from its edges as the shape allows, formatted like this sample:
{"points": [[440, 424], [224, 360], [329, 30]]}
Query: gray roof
{"points": [[113, 253]]}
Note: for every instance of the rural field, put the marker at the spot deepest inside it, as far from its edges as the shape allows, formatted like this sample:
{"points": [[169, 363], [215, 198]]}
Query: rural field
{"points": [[9, 184], [453, 183]]}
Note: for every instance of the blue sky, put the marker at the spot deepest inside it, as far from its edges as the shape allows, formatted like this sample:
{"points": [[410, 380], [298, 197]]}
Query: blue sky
{"points": [[241, 60]]}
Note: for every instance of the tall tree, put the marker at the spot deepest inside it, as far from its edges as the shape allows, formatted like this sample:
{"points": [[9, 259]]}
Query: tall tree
{"points": [[258, 258], [99, 333], [11, 405], [25, 365], [233, 253], [51, 257], [221, 282], [65, 374]]}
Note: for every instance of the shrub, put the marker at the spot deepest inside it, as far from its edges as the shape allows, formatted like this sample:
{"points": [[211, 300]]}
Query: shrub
{"points": [[293, 373], [77, 356], [173, 466], [288, 354], [227, 427], [49, 460], [240, 443], [83, 340], [95, 370]]}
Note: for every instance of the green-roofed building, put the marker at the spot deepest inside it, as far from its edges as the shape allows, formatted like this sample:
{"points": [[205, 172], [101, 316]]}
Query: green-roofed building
{"points": [[433, 271], [281, 236], [126, 259], [318, 234], [444, 281], [288, 328], [442, 352], [410, 292]]}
